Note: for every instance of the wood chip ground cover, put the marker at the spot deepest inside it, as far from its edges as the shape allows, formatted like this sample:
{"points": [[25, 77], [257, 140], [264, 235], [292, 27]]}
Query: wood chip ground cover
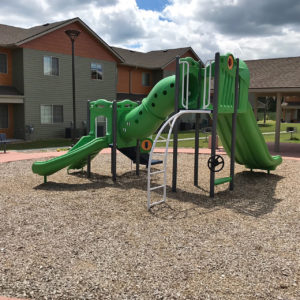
{"points": [[79, 238]]}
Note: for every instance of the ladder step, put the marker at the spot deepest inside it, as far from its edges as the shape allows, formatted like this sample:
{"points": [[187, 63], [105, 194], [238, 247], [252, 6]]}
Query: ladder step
{"points": [[157, 172], [156, 162], [155, 203], [222, 180], [157, 187]]}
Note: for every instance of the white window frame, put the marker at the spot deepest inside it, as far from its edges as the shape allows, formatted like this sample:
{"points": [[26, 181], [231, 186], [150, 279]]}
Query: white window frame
{"points": [[6, 63], [51, 57], [52, 116], [96, 63]]}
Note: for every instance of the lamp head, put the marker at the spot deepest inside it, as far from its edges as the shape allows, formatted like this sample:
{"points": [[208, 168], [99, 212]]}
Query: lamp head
{"points": [[72, 34]]}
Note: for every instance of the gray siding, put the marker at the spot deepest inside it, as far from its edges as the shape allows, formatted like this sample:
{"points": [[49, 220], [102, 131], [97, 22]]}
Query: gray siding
{"points": [[57, 90], [17, 66]]}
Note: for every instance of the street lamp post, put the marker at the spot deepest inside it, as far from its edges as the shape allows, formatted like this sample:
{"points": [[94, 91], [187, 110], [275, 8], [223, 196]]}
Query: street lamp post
{"points": [[73, 34]]}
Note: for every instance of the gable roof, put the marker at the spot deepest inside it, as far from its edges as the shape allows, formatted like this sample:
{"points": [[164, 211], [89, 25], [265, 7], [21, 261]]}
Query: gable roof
{"points": [[274, 73], [15, 36], [154, 59]]}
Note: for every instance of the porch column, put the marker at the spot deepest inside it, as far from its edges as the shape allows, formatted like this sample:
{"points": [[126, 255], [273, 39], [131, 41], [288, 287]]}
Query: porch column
{"points": [[278, 121], [255, 106]]}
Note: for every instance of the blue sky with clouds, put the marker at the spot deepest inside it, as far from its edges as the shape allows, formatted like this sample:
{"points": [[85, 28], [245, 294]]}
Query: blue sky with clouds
{"points": [[250, 29], [155, 5]]}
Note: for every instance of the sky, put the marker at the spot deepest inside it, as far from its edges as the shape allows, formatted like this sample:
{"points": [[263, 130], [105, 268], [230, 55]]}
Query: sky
{"points": [[249, 29]]}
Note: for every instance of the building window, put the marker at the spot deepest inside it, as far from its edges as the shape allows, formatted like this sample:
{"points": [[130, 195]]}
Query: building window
{"points": [[146, 79], [51, 66], [3, 63], [96, 71], [3, 116], [52, 114]]}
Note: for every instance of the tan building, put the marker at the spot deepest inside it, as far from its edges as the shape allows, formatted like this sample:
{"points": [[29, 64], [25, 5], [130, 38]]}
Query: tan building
{"points": [[278, 78]]}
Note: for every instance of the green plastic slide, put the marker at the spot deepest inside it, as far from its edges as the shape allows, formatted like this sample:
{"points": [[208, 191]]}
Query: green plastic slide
{"points": [[74, 159], [251, 149]]}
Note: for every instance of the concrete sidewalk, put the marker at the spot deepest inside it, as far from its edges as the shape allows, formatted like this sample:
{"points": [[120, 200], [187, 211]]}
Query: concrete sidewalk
{"points": [[12, 155], [288, 151]]}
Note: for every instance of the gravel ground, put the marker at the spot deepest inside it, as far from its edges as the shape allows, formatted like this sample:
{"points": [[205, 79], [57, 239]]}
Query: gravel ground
{"points": [[79, 238]]}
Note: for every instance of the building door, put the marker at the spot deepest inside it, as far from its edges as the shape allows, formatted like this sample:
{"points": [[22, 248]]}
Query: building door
{"points": [[6, 119]]}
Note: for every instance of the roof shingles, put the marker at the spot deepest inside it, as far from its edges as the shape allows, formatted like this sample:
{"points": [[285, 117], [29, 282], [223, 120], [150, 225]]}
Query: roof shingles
{"points": [[10, 35], [150, 60], [274, 73]]}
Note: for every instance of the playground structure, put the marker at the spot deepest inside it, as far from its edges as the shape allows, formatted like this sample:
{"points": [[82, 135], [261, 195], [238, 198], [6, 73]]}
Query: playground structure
{"points": [[128, 125]]}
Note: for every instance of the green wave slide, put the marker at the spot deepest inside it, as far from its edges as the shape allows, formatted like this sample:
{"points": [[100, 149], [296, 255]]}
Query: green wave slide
{"points": [[140, 121], [251, 149]]}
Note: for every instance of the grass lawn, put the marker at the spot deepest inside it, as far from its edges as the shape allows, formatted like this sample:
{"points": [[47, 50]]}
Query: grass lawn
{"points": [[203, 142], [265, 128], [284, 137], [39, 144]]}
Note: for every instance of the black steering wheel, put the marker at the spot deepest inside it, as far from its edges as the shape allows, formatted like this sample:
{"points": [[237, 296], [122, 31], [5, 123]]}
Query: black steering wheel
{"points": [[216, 163]]}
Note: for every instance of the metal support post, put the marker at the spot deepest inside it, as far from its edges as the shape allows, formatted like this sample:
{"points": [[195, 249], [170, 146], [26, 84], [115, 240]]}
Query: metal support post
{"points": [[175, 129], [233, 129], [137, 163], [197, 125], [114, 142], [88, 128], [215, 120]]}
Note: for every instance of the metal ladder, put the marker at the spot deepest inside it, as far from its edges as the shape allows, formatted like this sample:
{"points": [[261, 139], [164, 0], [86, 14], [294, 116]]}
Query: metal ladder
{"points": [[171, 122]]}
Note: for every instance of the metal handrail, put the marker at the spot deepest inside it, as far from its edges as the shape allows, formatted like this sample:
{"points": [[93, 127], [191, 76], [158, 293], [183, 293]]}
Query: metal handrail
{"points": [[186, 104], [206, 100]]}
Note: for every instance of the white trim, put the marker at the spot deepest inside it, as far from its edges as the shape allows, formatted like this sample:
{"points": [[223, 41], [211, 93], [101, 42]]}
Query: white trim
{"points": [[11, 100]]}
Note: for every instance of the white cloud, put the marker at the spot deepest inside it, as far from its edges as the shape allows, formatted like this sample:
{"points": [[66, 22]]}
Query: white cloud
{"points": [[247, 28]]}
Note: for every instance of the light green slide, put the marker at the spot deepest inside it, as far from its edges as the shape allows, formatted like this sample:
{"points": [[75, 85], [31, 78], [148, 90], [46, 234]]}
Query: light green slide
{"points": [[251, 149]]}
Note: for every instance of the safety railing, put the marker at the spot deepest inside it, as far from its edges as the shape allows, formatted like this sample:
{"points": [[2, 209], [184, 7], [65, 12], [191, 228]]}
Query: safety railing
{"points": [[185, 104], [206, 94]]}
